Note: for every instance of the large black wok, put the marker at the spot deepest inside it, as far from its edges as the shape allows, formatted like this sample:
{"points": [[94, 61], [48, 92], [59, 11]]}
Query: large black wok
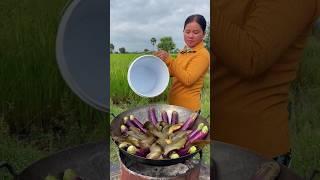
{"points": [[141, 114], [88, 160]]}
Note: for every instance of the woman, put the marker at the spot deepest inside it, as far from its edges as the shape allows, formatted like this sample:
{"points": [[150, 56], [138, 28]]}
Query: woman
{"points": [[257, 46], [189, 68]]}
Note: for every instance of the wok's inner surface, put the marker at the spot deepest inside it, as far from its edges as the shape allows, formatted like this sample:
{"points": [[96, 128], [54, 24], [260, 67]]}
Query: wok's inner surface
{"points": [[141, 113]]}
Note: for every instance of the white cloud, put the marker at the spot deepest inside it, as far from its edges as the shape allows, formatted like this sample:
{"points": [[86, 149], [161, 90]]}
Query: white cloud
{"points": [[133, 23]]}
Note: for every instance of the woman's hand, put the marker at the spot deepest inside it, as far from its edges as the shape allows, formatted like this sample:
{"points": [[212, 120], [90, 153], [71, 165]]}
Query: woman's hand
{"points": [[163, 55]]}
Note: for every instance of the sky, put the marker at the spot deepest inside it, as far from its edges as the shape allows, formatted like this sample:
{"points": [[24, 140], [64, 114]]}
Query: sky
{"points": [[134, 22]]}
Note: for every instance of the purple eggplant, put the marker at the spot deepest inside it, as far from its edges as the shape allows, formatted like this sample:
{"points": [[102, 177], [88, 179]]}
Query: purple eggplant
{"points": [[165, 129], [163, 125], [175, 145], [183, 151], [164, 116], [127, 122], [119, 139], [132, 149], [195, 131], [123, 129], [174, 117], [174, 128], [190, 121], [136, 133], [168, 141], [142, 152], [159, 126], [147, 142], [154, 155], [192, 149], [134, 141], [139, 152], [157, 133], [189, 131], [137, 123], [174, 156], [124, 145], [155, 151], [177, 135], [200, 143], [187, 150], [199, 136], [152, 116], [148, 125]]}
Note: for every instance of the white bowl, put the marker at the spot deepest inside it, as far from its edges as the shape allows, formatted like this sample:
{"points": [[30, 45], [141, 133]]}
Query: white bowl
{"points": [[148, 76]]}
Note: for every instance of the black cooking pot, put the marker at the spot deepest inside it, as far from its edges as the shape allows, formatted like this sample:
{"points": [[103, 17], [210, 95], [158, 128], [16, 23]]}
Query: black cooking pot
{"points": [[88, 160], [141, 114]]}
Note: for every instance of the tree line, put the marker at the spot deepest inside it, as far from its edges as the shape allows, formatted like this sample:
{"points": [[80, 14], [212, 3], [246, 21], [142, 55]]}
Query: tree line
{"points": [[166, 43]]}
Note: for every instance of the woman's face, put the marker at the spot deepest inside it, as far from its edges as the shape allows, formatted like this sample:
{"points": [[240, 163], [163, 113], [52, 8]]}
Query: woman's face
{"points": [[193, 34]]}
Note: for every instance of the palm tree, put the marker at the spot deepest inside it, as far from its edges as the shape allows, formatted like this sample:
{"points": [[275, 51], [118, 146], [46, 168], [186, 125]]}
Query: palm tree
{"points": [[153, 42], [111, 48]]}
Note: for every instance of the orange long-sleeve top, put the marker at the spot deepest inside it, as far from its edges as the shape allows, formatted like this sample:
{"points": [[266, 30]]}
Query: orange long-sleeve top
{"points": [[188, 71], [257, 46]]}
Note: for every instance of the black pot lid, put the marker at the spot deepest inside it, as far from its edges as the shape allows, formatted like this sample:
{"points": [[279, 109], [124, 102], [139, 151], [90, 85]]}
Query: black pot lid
{"points": [[82, 51]]}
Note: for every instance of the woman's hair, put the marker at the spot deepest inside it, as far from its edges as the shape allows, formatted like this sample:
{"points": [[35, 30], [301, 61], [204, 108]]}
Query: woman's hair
{"points": [[197, 18]]}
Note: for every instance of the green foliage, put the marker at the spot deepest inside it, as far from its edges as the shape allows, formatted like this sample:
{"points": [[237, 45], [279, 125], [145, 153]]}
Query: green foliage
{"points": [[167, 44], [111, 48], [207, 38], [17, 154], [122, 50], [305, 114], [153, 41]]}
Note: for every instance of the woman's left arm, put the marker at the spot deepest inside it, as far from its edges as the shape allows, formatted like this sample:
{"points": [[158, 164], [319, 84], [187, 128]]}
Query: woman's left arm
{"points": [[196, 68], [165, 57], [268, 31]]}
